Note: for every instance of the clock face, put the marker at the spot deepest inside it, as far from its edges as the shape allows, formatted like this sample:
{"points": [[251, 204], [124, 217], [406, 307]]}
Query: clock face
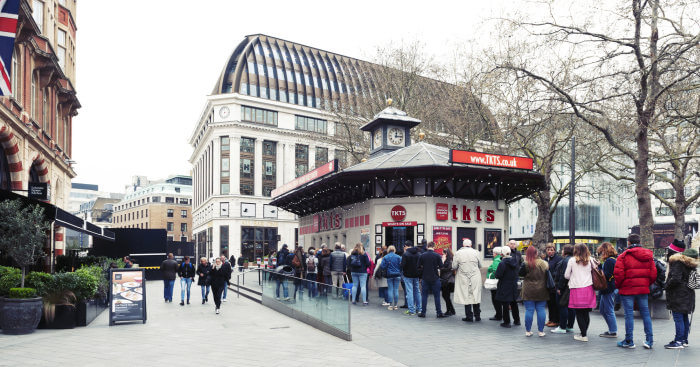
{"points": [[395, 136], [224, 112], [378, 138]]}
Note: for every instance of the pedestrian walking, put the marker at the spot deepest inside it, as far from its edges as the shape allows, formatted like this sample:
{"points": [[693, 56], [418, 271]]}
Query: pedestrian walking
{"points": [[429, 264], [507, 290], [608, 257], [357, 267], [581, 293], [491, 274], [447, 281], [567, 316], [203, 280], [534, 292], [467, 263], [553, 259], [228, 269], [217, 278], [186, 272], [634, 272], [391, 263], [169, 270], [411, 279], [680, 298]]}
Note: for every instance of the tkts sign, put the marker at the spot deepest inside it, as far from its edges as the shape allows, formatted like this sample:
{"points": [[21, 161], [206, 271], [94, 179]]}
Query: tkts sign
{"points": [[493, 160], [465, 214], [327, 221]]}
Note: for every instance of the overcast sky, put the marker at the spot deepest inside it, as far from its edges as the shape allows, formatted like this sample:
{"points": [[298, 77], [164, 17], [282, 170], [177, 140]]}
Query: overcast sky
{"points": [[144, 68]]}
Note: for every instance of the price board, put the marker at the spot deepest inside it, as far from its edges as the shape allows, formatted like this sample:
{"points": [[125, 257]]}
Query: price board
{"points": [[127, 301]]}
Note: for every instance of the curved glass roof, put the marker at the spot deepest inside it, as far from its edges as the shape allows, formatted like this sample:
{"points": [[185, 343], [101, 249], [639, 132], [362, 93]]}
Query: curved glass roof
{"points": [[272, 68]]}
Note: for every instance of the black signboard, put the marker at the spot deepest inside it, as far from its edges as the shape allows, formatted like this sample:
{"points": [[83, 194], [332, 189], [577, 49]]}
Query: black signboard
{"points": [[39, 191], [127, 295]]}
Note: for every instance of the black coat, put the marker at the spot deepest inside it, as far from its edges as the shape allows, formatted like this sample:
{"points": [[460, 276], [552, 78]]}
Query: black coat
{"points": [[409, 263], [324, 265], [203, 269], [218, 278], [429, 264], [507, 275], [680, 298], [558, 275], [447, 275]]}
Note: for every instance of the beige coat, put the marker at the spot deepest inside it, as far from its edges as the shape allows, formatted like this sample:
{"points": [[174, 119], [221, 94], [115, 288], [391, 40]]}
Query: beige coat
{"points": [[467, 262], [379, 282]]}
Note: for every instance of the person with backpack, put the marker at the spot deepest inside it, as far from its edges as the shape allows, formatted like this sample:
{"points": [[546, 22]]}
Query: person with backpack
{"points": [[311, 272], [357, 267], [411, 279], [391, 265], [680, 298], [608, 255], [298, 263], [186, 272], [634, 272]]}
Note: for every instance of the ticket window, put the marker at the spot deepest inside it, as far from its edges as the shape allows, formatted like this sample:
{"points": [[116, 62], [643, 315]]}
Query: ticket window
{"points": [[399, 235]]}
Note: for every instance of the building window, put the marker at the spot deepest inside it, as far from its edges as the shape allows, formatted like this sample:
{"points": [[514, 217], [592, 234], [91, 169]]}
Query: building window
{"points": [[301, 157], [183, 227], [45, 110], [311, 124], [247, 165], [258, 115], [183, 213], [342, 157], [183, 239], [666, 193], [156, 199], [170, 200], [169, 238], [38, 14], [321, 156], [270, 167], [170, 213], [664, 211], [146, 212], [224, 241], [16, 93], [61, 42], [34, 107], [225, 176], [171, 227]]}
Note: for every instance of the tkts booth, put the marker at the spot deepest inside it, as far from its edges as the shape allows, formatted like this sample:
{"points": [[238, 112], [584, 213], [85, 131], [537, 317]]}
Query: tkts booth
{"points": [[409, 191]]}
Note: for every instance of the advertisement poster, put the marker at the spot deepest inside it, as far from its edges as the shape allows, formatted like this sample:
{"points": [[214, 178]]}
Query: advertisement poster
{"points": [[127, 295], [442, 236], [364, 239], [493, 239]]}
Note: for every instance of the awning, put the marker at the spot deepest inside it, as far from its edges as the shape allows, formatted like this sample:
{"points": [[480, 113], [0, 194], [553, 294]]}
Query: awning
{"points": [[61, 217]]}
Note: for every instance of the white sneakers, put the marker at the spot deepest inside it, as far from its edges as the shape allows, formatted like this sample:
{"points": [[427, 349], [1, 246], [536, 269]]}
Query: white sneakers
{"points": [[386, 304], [217, 311], [224, 300], [541, 333], [580, 338], [558, 330]]}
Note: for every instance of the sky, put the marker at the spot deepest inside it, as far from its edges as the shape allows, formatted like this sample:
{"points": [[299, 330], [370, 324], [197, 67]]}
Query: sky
{"points": [[144, 68]]}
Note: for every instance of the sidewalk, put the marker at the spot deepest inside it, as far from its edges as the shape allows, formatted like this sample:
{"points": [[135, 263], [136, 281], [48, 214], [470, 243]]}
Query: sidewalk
{"points": [[244, 334]]}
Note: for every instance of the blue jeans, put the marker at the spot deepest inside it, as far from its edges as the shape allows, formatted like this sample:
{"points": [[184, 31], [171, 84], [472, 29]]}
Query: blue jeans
{"points": [[205, 291], [607, 309], [311, 284], [285, 287], [359, 279], [393, 290], [413, 297], [434, 288], [530, 308], [185, 283], [628, 305], [225, 291], [682, 326], [384, 294], [168, 286]]}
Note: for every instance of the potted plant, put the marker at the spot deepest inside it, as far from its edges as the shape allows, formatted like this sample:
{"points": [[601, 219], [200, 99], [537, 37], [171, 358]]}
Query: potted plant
{"points": [[245, 263], [22, 237], [59, 309]]}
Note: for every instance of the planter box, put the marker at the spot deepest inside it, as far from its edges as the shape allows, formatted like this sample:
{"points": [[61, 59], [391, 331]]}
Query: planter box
{"points": [[64, 318], [20, 316], [86, 311]]}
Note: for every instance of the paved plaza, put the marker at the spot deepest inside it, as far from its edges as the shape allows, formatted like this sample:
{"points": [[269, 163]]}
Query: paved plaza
{"points": [[248, 334]]}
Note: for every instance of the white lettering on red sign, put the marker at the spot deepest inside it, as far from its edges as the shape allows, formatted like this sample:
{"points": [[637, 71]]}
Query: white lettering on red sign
{"points": [[398, 213]]}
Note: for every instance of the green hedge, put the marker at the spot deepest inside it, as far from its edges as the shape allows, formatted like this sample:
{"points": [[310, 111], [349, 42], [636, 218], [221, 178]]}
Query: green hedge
{"points": [[86, 283], [22, 293], [65, 263], [9, 278], [40, 281]]}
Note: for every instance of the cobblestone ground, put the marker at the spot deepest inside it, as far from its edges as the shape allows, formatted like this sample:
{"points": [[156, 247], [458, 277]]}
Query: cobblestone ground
{"points": [[248, 334]]}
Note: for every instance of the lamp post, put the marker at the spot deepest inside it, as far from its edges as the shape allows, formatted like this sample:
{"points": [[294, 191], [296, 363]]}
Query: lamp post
{"points": [[572, 195]]}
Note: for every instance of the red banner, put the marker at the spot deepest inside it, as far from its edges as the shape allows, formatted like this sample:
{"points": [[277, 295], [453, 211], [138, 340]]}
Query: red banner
{"points": [[319, 172], [493, 160], [399, 224], [442, 237], [442, 211]]}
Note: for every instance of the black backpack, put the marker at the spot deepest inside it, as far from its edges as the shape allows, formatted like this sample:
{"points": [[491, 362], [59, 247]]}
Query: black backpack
{"points": [[355, 261]]}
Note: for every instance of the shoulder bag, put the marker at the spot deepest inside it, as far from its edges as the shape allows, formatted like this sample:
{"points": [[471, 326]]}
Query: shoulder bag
{"points": [[694, 280], [491, 284], [599, 281], [550, 281]]}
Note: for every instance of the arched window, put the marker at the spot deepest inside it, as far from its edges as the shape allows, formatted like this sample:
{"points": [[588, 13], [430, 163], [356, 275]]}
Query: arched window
{"points": [[4, 171]]}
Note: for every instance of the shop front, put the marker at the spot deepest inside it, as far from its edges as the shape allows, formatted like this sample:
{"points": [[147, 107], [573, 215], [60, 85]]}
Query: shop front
{"points": [[410, 192]]}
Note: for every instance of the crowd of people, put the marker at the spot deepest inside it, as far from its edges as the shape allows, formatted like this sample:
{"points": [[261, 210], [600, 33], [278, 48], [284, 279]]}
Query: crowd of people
{"points": [[556, 290]]}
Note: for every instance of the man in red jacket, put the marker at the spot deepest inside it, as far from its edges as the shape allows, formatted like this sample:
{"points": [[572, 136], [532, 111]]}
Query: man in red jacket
{"points": [[634, 272]]}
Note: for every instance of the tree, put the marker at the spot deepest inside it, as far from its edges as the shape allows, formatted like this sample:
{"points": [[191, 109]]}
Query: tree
{"points": [[23, 233], [613, 65]]}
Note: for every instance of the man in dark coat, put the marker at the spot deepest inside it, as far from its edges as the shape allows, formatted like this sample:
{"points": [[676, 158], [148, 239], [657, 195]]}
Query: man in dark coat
{"points": [[680, 299], [507, 291], [411, 276], [553, 259], [203, 281], [228, 269], [169, 270], [518, 261], [186, 272], [430, 263], [635, 271]]}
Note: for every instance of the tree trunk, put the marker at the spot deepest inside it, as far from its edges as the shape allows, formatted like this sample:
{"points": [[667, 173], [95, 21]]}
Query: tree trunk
{"points": [[641, 178], [679, 212], [543, 226]]}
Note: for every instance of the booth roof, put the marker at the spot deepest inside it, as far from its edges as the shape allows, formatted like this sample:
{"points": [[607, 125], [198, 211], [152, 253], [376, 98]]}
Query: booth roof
{"points": [[397, 173]]}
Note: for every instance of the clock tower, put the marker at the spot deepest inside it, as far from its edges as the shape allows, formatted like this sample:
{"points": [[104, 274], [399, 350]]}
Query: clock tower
{"points": [[390, 130]]}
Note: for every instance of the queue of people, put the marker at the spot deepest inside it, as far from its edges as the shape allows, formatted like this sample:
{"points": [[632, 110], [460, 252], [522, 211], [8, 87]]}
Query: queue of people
{"points": [[212, 277]]}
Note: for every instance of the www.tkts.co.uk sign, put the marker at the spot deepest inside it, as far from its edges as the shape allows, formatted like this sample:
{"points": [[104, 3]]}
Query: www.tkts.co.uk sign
{"points": [[445, 211], [493, 160]]}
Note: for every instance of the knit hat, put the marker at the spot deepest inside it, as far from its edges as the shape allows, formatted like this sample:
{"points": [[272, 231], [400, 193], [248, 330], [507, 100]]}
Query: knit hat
{"points": [[691, 252], [677, 246]]}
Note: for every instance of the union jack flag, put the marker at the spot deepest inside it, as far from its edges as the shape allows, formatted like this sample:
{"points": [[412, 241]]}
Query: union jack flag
{"points": [[8, 30]]}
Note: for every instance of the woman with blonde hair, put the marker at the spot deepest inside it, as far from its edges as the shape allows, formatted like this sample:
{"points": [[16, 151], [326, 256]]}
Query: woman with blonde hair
{"points": [[607, 254], [582, 295], [391, 262]]}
